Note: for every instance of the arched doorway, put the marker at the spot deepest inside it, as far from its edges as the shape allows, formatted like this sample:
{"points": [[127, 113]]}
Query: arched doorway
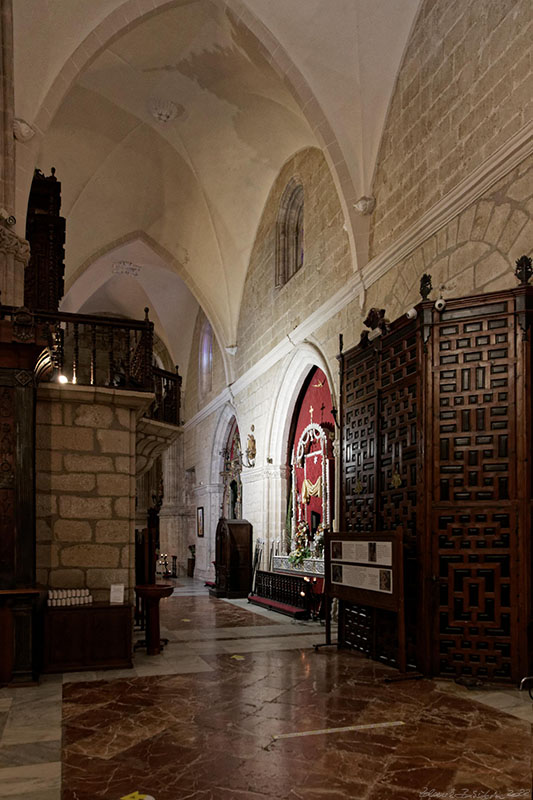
{"points": [[231, 474], [311, 488]]}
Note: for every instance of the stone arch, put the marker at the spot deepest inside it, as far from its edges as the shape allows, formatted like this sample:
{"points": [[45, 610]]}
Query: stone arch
{"points": [[293, 373], [473, 252], [75, 287], [225, 420]]}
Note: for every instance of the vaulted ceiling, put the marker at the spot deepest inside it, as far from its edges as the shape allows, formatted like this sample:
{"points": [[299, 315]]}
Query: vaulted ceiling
{"points": [[250, 83]]}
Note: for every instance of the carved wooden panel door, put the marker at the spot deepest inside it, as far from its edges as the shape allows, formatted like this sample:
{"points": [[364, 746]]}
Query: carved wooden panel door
{"points": [[474, 513], [381, 435], [360, 409]]}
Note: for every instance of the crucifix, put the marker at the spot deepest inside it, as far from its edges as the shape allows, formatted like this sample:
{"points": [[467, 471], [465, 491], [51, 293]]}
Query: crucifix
{"points": [[311, 409]]}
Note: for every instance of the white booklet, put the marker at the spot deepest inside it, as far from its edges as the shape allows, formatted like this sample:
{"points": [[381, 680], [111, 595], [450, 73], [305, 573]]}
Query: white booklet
{"points": [[116, 593]]}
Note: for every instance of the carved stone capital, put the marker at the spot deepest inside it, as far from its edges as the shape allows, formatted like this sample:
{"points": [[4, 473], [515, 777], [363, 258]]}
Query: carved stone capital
{"points": [[22, 130], [365, 205], [11, 244]]}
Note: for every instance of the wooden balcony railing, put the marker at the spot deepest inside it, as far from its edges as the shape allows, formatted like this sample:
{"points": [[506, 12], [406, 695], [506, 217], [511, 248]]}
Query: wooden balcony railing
{"points": [[167, 389], [91, 350]]}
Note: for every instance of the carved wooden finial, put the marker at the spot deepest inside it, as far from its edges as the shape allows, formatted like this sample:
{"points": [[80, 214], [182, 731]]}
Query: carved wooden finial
{"points": [[524, 270], [375, 319], [425, 286], [146, 310]]}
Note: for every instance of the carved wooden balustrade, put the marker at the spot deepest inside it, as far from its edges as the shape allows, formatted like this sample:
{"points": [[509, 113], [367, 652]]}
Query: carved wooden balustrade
{"points": [[90, 350], [167, 389]]}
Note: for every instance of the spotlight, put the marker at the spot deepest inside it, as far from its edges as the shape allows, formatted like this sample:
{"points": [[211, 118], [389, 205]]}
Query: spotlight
{"points": [[440, 304], [62, 378], [412, 313]]}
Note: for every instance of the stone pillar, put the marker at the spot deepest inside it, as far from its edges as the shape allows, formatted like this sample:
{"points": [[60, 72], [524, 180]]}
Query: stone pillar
{"points": [[169, 529], [85, 463], [14, 256], [143, 500], [264, 491], [209, 497], [7, 162], [14, 251]]}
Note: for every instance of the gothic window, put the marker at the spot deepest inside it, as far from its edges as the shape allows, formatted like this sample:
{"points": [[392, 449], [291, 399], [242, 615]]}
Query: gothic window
{"points": [[290, 232], [205, 367]]}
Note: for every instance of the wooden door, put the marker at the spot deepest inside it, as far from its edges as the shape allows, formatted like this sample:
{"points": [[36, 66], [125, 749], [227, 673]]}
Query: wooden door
{"points": [[474, 514]]}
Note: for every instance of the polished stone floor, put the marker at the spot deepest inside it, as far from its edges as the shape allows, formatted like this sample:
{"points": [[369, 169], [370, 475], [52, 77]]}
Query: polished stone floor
{"points": [[220, 716]]}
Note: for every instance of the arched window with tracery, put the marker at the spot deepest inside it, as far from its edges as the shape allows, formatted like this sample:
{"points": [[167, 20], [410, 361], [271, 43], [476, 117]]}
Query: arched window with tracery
{"points": [[205, 366], [290, 232]]}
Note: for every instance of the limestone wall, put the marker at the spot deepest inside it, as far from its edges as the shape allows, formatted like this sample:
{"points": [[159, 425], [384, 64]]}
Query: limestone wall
{"points": [[268, 313], [464, 89], [85, 479], [474, 252]]}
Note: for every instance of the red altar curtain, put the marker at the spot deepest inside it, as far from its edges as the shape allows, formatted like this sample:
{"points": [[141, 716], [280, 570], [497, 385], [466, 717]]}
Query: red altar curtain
{"points": [[315, 406]]}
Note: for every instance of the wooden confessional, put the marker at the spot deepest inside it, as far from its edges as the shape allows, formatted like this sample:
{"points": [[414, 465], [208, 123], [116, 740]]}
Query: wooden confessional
{"points": [[436, 438], [233, 558]]}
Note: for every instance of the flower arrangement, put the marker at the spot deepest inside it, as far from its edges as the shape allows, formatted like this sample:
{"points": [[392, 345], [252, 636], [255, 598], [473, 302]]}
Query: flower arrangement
{"points": [[301, 549], [318, 539]]}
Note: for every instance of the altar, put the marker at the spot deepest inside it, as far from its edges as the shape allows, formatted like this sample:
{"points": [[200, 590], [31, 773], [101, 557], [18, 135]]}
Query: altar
{"points": [[294, 582]]}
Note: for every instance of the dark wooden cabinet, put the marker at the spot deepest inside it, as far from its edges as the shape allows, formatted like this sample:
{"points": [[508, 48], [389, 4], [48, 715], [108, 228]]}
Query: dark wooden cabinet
{"points": [[233, 559], [96, 636], [436, 427], [20, 632]]}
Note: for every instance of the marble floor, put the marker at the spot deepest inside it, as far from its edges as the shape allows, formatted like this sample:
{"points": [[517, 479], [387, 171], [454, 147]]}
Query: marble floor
{"points": [[220, 714]]}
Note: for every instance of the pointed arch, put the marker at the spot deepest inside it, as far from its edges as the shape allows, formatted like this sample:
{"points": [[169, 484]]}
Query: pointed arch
{"points": [[294, 372]]}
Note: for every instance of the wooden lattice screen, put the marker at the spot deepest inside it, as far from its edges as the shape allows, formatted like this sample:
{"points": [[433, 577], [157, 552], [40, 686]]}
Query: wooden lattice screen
{"points": [[436, 425]]}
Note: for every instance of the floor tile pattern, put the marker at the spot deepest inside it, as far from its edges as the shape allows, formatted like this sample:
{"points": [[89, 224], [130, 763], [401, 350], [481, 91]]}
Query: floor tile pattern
{"points": [[208, 736], [199, 612], [198, 722]]}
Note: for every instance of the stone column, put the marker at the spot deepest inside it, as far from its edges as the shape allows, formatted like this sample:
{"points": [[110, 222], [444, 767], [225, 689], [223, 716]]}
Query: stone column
{"points": [[85, 503], [209, 497], [14, 251], [143, 500], [265, 502], [174, 517]]}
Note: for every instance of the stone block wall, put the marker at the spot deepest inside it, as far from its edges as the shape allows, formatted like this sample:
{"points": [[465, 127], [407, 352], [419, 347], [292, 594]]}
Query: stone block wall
{"points": [[268, 314], [85, 482], [475, 252], [463, 90]]}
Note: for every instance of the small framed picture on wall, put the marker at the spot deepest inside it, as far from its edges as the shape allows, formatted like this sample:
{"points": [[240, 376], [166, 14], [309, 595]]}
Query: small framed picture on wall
{"points": [[200, 521]]}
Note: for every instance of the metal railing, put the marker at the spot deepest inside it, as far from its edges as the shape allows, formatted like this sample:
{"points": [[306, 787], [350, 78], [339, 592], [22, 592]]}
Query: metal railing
{"points": [[91, 350]]}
